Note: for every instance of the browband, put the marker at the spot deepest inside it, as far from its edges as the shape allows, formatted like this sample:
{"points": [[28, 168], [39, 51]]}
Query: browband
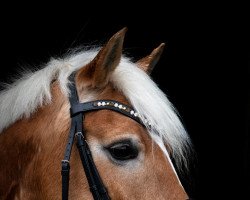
{"points": [[104, 104]]}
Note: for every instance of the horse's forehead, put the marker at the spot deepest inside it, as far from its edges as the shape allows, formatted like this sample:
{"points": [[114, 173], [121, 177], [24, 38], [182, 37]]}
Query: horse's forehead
{"points": [[109, 125], [110, 92]]}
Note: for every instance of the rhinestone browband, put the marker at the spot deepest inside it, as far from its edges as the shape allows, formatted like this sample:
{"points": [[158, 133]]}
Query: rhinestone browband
{"points": [[122, 107], [111, 105], [117, 105]]}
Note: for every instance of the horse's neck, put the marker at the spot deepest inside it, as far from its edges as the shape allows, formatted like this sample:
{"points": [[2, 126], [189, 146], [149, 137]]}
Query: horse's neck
{"points": [[22, 142]]}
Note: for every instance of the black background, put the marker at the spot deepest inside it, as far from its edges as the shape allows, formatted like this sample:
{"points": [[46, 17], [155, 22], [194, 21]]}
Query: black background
{"points": [[196, 71]]}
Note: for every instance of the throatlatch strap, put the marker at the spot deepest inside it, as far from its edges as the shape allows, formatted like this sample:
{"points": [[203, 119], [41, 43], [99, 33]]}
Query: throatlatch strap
{"points": [[65, 180], [65, 162]]}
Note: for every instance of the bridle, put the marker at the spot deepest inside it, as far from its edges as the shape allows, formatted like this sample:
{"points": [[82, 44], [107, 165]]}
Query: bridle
{"points": [[77, 111]]}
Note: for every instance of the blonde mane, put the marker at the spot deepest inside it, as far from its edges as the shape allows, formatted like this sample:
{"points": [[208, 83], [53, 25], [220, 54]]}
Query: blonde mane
{"points": [[24, 96]]}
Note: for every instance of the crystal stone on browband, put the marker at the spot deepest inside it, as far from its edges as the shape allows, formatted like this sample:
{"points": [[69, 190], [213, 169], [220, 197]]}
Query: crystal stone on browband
{"points": [[124, 108]]}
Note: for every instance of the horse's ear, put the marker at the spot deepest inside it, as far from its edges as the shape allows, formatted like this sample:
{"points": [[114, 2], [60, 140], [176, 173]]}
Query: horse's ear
{"points": [[148, 63], [99, 69]]}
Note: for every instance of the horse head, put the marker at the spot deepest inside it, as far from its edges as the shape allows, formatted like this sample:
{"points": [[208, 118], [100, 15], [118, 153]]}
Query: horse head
{"points": [[133, 159]]}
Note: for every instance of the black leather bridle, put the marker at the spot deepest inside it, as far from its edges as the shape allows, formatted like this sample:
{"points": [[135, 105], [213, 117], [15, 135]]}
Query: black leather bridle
{"points": [[77, 111]]}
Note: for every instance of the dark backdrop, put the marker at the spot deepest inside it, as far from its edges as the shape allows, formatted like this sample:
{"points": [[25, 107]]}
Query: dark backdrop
{"points": [[195, 71]]}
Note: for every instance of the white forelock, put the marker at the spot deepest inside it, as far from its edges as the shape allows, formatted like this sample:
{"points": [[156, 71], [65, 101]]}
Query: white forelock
{"points": [[25, 95]]}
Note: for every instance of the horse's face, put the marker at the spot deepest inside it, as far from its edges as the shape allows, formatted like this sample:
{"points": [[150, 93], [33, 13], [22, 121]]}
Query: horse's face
{"points": [[131, 158], [131, 164]]}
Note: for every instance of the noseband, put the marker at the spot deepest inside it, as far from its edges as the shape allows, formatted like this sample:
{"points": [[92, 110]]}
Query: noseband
{"points": [[77, 112]]}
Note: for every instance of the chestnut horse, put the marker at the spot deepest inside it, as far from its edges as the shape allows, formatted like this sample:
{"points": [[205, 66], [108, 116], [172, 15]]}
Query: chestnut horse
{"points": [[133, 160]]}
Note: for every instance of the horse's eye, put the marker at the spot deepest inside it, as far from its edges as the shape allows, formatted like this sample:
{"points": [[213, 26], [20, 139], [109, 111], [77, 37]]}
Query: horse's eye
{"points": [[123, 151]]}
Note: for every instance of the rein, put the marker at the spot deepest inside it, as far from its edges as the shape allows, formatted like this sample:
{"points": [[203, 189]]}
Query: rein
{"points": [[77, 111]]}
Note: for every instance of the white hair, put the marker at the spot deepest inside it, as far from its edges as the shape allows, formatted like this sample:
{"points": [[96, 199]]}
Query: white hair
{"points": [[25, 95]]}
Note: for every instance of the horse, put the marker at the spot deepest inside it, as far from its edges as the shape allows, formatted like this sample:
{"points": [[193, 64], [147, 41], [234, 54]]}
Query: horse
{"points": [[133, 158]]}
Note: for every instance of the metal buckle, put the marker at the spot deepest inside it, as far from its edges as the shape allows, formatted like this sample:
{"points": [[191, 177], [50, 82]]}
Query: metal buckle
{"points": [[65, 161], [79, 133]]}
